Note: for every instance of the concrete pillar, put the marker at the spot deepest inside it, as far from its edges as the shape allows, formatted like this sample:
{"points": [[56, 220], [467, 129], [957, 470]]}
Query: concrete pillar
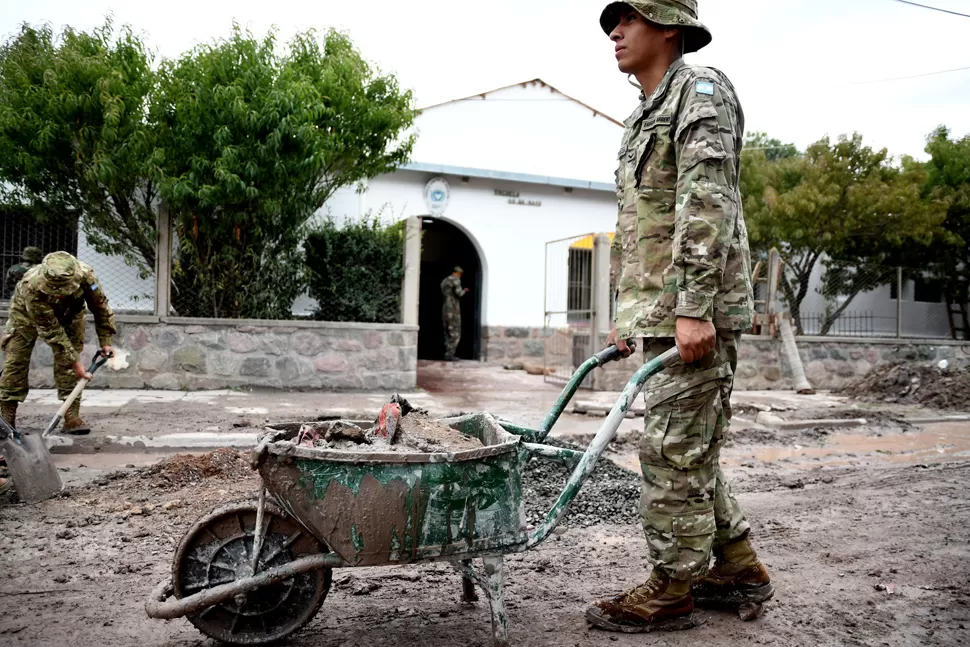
{"points": [[412, 271], [602, 321], [163, 262]]}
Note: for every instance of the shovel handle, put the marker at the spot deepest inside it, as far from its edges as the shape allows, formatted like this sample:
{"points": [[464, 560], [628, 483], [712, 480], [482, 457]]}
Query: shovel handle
{"points": [[7, 431], [99, 360]]}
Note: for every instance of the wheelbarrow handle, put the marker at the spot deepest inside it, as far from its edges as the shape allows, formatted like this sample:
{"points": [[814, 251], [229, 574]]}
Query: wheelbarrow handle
{"points": [[612, 353], [602, 358], [606, 433]]}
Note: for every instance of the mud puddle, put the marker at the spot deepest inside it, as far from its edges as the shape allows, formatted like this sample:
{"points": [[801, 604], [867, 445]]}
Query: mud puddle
{"points": [[930, 443]]}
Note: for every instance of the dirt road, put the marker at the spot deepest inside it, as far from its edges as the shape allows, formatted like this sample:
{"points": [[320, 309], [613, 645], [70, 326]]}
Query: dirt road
{"points": [[838, 533]]}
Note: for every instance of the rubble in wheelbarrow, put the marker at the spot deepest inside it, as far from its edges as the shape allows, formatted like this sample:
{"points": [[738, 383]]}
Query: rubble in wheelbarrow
{"points": [[399, 428]]}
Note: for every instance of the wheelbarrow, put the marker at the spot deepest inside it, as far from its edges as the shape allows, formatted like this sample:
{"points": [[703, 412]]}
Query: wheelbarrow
{"points": [[254, 572]]}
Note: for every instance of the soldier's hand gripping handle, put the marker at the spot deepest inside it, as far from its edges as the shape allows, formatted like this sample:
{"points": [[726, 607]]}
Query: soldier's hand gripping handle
{"points": [[81, 372]]}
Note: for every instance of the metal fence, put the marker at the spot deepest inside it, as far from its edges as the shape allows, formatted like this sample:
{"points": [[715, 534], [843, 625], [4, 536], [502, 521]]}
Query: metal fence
{"points": [[568, 306], [130, 290], [873, 301]]}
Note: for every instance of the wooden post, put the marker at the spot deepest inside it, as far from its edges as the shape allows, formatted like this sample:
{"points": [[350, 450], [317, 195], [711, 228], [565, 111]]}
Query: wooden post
{"points": [[163, 262]]}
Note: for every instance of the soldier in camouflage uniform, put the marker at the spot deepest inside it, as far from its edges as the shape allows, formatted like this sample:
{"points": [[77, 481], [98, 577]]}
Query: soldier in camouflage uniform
{"points": [[30, 257], [49, 303], [681, 265], [452, 292]]}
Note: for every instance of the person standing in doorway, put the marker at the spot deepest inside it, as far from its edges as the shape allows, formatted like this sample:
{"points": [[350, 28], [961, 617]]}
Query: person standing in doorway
{"points": [[31, 256], [681, 264], [452, 292]]}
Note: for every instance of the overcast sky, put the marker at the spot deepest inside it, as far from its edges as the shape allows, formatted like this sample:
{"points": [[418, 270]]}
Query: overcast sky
{"points": [[803, 68]]}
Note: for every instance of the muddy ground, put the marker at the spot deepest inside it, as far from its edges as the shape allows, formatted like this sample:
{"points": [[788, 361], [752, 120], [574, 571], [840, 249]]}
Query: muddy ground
{"points": [[840, 517]]}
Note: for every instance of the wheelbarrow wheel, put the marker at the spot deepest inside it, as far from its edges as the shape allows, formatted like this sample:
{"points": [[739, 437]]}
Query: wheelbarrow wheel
{"points": [[218, 549]]}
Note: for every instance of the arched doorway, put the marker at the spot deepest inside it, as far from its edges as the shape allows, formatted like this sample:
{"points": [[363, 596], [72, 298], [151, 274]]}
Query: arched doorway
{"points": [[443, 246]]}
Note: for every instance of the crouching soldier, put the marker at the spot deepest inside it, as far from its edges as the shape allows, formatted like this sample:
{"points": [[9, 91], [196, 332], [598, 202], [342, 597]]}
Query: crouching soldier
{"points": [[49, 303]]}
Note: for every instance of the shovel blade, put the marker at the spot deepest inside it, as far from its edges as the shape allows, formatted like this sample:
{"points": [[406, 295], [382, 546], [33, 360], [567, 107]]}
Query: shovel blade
{"points": [[31, 468]]}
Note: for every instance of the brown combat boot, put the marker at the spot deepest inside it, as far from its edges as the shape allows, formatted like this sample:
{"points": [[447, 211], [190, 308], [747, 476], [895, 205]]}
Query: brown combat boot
{"points": [[660, 604], [73, 424], [736, 578], [8, 410]]}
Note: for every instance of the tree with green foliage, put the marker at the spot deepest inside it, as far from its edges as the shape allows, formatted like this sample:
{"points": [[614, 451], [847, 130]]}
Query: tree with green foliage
{"points": [[870, 258], [73, 137], [369, 288], [947, 256], [251, 143], [844, 201]]}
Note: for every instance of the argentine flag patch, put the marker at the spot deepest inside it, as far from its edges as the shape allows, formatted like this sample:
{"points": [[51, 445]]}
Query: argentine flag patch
{"points": [[705, 87]]}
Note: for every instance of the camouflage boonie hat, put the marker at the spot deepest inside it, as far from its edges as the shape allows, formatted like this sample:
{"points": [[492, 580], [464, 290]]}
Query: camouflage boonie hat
{"points": [[667, 13], [32, 255], [459, 270], [60, 274]]}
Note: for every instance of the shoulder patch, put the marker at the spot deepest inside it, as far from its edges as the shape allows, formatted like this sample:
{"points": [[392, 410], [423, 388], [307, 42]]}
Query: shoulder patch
{"points": [[705, 87]]}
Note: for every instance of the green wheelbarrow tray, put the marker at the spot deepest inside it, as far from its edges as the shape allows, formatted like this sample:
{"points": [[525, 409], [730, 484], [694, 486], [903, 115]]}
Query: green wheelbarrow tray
{"points": [[351, 509]]}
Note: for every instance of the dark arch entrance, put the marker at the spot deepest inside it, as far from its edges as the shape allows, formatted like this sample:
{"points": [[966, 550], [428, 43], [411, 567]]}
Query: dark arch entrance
{"points": [[443, 246]]}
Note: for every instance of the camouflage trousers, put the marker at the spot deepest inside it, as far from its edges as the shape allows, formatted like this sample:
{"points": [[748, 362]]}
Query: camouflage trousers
{"points": [[686, 505], [18, 345], [451, 323]]}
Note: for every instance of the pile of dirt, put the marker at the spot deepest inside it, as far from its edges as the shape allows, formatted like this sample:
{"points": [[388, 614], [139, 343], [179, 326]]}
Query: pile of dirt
{"points": [[184, 469], [908, 383], [610, 495]]}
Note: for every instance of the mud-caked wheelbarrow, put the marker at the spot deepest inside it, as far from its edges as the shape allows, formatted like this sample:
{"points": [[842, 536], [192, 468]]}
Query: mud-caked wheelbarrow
{"points": [[253, 572]]}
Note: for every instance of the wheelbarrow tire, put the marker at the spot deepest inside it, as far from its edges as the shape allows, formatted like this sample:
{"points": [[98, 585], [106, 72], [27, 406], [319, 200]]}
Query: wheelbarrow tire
{"points": [[218, 549]]}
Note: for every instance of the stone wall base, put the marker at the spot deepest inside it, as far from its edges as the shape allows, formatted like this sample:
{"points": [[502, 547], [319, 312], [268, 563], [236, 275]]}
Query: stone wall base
{"points": [[196, 354], [829, 362]]}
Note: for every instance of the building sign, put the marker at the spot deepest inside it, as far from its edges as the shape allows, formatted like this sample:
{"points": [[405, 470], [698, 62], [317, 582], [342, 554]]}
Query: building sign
{"points": [[515, 198], [436, 195]]}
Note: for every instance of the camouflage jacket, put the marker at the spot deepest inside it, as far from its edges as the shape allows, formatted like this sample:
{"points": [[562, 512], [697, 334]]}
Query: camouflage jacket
{"points": [[681, 246], [452, 292], [15, 273], [50, 315]]}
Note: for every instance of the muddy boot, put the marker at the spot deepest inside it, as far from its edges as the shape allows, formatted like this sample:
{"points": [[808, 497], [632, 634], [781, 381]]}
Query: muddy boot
{"points": [[73, 424], [8, 410], [736, 579], [660, 604]]}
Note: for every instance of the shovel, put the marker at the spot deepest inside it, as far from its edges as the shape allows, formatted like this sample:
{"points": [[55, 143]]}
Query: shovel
{"points": [[31, 467]]}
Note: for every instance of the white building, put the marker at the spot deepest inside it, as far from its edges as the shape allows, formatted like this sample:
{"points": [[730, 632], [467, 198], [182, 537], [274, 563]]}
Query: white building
{"points": [[522, 165], [517, 167]]}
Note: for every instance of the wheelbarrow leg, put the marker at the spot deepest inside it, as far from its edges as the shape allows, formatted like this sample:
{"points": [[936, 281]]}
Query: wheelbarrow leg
{"points": [[468, 592], [495, 572]]}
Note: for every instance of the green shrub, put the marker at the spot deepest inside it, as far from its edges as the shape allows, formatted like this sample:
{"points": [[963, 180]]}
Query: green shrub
{"points": [[355, 271]]}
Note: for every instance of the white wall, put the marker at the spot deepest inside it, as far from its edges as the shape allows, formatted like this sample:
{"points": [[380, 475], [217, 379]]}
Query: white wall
{"points": [[919, 319], [512, 238], [125, 290], [531, 129]]}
